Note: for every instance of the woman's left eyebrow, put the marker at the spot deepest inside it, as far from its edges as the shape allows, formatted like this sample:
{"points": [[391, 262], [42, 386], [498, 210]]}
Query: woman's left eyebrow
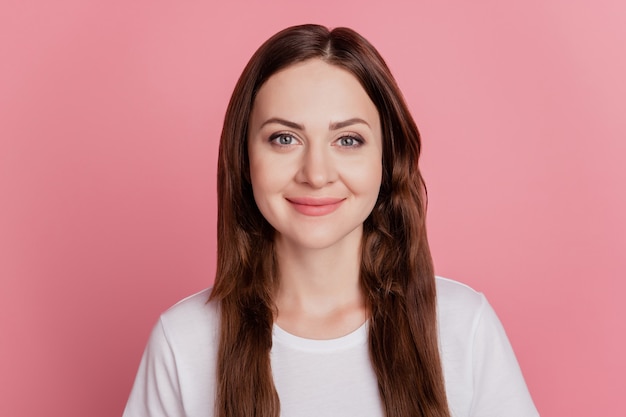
{"points": [[346, 123]]}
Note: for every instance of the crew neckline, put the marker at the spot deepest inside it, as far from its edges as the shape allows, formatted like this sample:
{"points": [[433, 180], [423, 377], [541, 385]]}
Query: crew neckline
{"points": [[355, 338]]}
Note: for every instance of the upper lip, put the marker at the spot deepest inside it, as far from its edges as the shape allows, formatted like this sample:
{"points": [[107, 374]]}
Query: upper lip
{"points": [[314, 201]]}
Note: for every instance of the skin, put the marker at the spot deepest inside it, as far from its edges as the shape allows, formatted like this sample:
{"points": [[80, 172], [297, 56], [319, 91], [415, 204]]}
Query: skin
{"points": [[315, 153]]}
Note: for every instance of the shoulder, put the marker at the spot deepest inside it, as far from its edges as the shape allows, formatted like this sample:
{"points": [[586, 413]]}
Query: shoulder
{"points": [[191, 320], [480, 369], [193, 304], [459, 311], [177, 370], [454, 296]]}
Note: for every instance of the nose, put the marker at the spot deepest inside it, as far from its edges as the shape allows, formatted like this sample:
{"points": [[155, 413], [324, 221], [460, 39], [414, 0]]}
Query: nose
{"points": [[317, 166]]}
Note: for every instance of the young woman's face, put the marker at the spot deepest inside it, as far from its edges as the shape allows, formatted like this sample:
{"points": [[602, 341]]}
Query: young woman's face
{"points": [[315, 151]]}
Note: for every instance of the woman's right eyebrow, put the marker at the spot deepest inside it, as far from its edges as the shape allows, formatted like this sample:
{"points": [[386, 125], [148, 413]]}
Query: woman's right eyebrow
{"points": [[283, 122]]}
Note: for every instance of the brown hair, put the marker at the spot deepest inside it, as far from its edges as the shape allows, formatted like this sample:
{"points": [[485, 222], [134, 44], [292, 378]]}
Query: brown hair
{"points": [[396, 274]]}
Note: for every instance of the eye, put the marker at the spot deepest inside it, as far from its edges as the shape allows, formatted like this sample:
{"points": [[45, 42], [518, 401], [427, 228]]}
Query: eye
{"points": [[349, 141], [283, 139]]}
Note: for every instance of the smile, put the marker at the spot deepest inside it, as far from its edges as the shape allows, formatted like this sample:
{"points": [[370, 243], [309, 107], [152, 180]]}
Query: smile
{"points": [[310, 206]]}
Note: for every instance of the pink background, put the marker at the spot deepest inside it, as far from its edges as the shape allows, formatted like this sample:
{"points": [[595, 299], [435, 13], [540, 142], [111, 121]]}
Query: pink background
{"points": [[110, 114]]}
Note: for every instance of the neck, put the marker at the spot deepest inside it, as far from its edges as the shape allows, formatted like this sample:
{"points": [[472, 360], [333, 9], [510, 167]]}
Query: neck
{"points": [[319, 293]]}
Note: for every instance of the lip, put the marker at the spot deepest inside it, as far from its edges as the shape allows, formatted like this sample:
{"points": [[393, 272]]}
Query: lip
{"points": [[315, 206]]}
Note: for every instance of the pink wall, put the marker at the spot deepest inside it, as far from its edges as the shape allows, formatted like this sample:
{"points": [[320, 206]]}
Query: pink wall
{"points": [[109, 120]]}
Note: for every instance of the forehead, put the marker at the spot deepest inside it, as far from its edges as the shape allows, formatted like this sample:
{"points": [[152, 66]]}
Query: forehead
{"points": [[313, 88]]}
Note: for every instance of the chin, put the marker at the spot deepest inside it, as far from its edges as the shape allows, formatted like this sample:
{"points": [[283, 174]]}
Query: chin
{"points": [[325, 238]]}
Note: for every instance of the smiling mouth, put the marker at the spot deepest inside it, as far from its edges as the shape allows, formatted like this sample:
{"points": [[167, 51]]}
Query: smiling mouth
{"points": [[310, 206]]}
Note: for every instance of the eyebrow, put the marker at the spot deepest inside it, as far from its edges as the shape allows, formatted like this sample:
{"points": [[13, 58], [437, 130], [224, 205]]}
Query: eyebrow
{"points": [[332, 126], [346, 123], [283, 122]]}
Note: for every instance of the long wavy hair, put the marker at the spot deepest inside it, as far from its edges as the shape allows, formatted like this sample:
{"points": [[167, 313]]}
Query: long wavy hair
{"points": [[396, 273]]}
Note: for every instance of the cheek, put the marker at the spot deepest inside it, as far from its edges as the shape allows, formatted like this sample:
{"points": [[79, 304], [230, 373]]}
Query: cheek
{"points": [[267, 180], [367, 178], [256, 178], [258, 181], [258, 168], [271, 172]]}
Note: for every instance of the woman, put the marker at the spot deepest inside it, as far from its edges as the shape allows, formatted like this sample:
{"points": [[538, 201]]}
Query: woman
{"points": [[325, 300]]}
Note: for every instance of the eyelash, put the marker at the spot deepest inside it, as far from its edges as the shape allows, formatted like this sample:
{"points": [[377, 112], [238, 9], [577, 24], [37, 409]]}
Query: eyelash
{"points": [[358, 140], [276, 136]]}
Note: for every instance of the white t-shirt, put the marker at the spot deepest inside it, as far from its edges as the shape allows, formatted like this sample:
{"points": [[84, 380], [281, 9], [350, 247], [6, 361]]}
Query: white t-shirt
{"points": [[320, 378]]}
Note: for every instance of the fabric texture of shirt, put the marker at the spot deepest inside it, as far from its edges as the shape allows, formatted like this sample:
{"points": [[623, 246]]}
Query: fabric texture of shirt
{"points": [[334, 377]]}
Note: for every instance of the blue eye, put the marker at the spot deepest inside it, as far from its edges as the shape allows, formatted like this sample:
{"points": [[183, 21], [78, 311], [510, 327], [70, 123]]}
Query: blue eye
{"points": [[283, 139], [350, 141]]}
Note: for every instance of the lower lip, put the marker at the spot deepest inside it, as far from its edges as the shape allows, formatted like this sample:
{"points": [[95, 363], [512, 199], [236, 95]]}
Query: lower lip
{"points": [[309, 210]]}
